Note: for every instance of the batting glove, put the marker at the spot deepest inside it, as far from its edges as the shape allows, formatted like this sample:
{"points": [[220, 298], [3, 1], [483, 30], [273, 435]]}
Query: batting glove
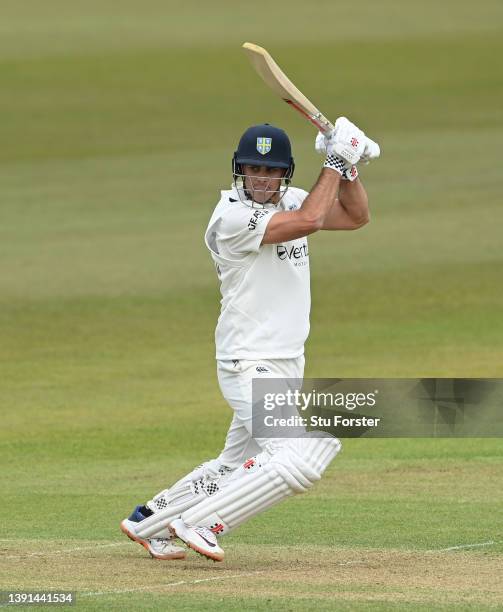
{"points": [[324, 143], [347, 172], [350, 174], [347, 142], [372, 151], [336, 163]]}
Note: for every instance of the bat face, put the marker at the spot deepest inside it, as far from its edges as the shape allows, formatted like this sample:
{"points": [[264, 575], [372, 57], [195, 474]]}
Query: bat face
{"points": [[277, 80]]}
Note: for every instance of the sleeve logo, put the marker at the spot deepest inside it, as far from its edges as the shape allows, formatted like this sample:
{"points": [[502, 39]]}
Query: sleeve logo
{"points": [[258, 214]]}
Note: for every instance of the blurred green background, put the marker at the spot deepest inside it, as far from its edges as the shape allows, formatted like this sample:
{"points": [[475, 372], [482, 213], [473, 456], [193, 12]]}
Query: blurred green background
{"points": [[119, 125], [119, 121]]}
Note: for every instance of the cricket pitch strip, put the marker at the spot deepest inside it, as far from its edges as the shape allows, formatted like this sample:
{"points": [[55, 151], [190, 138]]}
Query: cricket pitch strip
{"points": [[101, 574]]}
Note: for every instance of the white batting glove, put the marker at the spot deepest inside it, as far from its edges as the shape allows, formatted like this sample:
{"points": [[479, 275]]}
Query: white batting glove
{"points": [[347, 142], [350, 174], [372, 151], [336, 163], [344, 168], [322, 143], [324, 146]]}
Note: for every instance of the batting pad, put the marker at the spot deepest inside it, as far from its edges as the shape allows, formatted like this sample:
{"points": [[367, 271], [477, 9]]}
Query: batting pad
{"points": [[205, 480], [293, 469]]}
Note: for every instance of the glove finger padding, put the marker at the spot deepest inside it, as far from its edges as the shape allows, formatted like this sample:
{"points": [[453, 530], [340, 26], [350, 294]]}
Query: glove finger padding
{"points": [[348, 141], [372, 151], [321, 143]]}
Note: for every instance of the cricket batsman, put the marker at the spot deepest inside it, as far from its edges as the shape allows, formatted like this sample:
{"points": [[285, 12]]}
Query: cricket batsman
{"points": [[257, 237]]}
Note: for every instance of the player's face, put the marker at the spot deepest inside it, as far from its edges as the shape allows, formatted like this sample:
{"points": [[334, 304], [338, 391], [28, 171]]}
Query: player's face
{"points": [[263, 182]]}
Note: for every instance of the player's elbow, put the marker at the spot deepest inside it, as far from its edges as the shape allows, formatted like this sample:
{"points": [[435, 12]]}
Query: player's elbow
{"points": [[315, 225], [312, 223], [362, 220]]}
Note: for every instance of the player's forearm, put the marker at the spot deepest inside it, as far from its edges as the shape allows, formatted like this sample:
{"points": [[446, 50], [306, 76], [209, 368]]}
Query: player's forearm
{"points": [[317, 204], [354, 199], [310, 217]]}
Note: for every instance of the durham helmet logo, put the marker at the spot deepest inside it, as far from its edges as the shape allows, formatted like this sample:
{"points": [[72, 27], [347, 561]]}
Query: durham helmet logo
{"points": [[264, 145]]}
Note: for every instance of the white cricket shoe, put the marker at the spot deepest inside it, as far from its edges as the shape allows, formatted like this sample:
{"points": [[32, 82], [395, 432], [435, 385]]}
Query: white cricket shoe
{"points": [[159, 548], [200, 539]]}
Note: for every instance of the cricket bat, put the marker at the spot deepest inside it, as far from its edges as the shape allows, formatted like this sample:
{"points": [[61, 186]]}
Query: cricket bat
{"points": [[277, 80]]}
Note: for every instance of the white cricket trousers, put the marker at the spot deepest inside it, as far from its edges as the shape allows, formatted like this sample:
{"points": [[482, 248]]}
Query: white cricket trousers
{"points": [[235, 380]]}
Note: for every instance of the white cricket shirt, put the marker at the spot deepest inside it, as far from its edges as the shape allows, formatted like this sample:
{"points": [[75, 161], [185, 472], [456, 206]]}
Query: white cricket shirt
{"points": [[265, 289]]}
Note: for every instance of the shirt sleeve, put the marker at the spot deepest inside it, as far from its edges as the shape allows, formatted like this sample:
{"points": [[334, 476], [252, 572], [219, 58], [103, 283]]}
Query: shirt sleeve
{"points": [[297, 197], [242, 229]]}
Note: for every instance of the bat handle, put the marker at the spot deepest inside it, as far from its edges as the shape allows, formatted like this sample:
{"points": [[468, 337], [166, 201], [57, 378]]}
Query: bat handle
{"points": [[322, 123]]}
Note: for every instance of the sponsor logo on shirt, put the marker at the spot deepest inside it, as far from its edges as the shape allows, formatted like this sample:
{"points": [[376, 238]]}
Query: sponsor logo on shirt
{"points": [[297, 254], [258, 214]]}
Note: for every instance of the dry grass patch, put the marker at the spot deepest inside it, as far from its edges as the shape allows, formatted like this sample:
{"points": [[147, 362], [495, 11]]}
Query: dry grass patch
{"points": [[467, 577]]}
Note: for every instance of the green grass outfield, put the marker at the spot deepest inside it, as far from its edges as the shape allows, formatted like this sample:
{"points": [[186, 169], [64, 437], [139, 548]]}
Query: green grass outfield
{"points": [[118, 126]]}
